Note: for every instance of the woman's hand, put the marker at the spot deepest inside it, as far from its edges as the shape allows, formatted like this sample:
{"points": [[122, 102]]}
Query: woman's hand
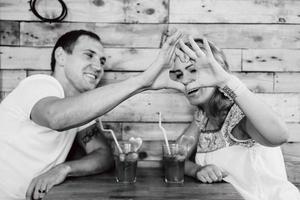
{"points": [[210, 174], [209, 71]]}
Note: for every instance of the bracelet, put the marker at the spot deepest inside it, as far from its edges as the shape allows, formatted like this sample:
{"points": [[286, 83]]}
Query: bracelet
{"points": [[233, 88]]}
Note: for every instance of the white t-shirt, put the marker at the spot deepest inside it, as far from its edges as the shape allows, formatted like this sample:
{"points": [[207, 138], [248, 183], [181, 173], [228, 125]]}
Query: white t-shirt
{"points": [[27, 149]]}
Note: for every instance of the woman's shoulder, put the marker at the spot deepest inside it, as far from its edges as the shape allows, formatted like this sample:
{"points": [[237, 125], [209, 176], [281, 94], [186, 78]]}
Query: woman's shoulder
{"points": [[232, 127], [233, 118]]}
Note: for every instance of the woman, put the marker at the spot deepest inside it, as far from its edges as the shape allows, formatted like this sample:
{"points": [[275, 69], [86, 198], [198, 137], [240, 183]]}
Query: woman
{"points": [[237, 135]]}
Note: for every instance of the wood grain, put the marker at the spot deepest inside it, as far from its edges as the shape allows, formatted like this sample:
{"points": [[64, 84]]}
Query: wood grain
{"points": [[248, 36], [112, 11], [234, 11], [149, 185], [258, 82], [9, 79], [281, 60], [112, 35], [287, 81], [118, 59], [9, 33], [152, 132], [144, 107]]}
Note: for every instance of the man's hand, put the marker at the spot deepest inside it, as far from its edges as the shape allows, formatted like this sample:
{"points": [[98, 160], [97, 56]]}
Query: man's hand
{"points": [[166, 54], [163, 81], [210, 174], [41, 184], [166, 59], [157, 75]]}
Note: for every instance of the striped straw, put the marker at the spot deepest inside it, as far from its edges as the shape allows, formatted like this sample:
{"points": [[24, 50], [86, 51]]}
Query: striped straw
{"points": [[164, 132]]}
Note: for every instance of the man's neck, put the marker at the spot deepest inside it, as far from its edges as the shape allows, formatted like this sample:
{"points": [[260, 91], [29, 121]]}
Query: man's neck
{"points": [[69, 90]]}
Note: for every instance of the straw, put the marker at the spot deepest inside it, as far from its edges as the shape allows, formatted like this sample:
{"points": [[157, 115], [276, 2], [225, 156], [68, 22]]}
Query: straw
{"points": [[164, 132], [112, 133]]}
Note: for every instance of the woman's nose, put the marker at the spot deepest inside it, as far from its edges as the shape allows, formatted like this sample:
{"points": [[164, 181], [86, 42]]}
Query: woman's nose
{"points": [[186, 80]]}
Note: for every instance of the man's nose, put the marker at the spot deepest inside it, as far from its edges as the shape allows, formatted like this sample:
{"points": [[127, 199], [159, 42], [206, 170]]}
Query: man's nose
{"points": [[97, 64]]}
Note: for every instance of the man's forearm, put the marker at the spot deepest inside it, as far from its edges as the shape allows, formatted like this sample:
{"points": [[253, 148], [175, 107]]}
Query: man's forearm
{"points": [[93, 163], [78, 110]]}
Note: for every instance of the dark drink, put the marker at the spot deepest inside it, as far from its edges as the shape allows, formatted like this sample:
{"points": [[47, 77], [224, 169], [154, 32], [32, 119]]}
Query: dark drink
{"points": [[174, 169], [126, 162], [173, 162], [126, 165]]}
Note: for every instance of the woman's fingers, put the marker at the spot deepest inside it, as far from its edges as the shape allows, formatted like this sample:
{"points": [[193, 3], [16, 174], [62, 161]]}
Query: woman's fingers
{"points": [[218, 173], [213, 176], [210, 174], [207, 48], [195, 47], [182, 56], [202, 179], [187, 50], [208, 178]]}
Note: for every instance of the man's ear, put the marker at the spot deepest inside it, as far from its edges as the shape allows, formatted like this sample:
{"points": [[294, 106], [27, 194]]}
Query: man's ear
{"points": [[60, 56]]}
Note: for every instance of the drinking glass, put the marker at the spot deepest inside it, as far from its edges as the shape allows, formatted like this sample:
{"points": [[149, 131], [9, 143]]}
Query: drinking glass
{"points": [[125, 163], [173, 162]]}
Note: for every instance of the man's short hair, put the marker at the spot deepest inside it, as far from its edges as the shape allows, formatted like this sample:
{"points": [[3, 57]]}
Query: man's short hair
{"points": [[67, 42]]}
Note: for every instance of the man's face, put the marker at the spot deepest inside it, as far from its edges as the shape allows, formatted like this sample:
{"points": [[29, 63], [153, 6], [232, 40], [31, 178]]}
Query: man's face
{"points": [[84, 66]]}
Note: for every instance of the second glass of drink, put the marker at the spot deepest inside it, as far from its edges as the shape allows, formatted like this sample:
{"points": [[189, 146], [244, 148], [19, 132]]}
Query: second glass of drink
{"points": [[173, 162]]}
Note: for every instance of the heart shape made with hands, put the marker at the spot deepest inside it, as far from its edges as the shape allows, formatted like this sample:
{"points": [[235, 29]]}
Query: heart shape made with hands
{"points": [[136, 143]]}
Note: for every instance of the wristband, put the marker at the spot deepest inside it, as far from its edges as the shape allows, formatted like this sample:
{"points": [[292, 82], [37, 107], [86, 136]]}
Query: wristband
{"points": [[233, 88]]}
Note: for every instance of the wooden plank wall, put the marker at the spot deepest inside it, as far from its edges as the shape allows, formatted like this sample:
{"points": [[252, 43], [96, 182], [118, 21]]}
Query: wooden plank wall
{"points": [[261, 39]]}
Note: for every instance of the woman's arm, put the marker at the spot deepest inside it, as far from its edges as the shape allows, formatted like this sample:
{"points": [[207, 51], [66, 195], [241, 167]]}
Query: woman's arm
{"points": [[191, 168], [262, 123]]}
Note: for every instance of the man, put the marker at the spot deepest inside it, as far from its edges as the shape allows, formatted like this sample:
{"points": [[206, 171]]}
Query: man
{"points": [[41, 117]]}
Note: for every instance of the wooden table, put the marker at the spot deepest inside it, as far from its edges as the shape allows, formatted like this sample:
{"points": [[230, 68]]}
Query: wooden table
{"points": [[149, 185]]}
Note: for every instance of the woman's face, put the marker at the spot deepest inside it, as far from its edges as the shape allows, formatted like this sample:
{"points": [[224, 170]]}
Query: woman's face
{"points": [[186, 73]]}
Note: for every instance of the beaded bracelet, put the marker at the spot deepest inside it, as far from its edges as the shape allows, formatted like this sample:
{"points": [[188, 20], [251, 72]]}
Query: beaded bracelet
{"points": [[233, 88]]}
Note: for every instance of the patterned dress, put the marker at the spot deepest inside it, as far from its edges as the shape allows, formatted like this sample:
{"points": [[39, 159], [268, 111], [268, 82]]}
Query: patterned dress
{"points": [[256, 171]]}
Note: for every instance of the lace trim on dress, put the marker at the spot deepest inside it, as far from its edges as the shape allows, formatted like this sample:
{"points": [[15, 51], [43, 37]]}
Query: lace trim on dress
{"points": [[213, 140], [235, 115]]}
